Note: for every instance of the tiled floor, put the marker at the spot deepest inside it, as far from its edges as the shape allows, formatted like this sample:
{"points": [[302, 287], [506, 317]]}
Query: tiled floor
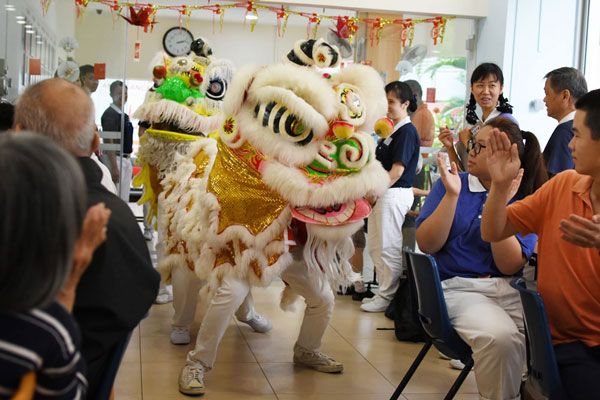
{"points": [[255, 366]]}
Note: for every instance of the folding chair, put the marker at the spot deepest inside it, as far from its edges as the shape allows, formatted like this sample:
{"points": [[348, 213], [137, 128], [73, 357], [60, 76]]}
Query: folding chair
{"points": [[543, 370], [431, 313]]}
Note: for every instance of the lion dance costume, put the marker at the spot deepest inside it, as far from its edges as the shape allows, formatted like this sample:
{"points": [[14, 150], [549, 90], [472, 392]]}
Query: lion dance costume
{"points": [[278, 193]]}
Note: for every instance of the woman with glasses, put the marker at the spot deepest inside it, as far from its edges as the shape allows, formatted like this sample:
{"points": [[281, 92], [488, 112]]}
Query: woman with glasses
{"points": [[485, 311], [487, 84]]}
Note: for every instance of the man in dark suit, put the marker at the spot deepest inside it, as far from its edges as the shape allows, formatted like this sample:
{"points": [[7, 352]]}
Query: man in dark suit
{"points": [[563, 87], [119, 286]]}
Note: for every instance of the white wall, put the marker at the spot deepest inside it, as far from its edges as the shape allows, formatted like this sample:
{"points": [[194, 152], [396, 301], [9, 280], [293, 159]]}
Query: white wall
{"points": [[527, 39]]}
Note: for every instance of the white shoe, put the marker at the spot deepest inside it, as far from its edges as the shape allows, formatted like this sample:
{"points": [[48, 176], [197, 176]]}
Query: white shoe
{"points": [[316, 360], [457, 364], [443, 356], [180, 335], [378, 304], [163, 296], [191, 380], [259, 323], [148, 234], [369, 299]]}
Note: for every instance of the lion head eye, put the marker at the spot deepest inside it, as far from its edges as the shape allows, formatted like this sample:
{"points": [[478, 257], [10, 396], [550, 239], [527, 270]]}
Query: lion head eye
{"points": [[216, 89], [282, 122]]}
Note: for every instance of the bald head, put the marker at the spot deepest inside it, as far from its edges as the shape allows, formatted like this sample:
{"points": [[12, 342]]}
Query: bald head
{"points": [[60, 110]]}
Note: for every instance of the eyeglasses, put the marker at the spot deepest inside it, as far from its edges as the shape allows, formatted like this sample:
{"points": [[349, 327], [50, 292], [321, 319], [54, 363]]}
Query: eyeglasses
{"points": [[475, 147]]}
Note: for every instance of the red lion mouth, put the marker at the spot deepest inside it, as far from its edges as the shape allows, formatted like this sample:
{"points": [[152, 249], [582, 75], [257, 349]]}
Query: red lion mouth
{"points": [[338, 214]]}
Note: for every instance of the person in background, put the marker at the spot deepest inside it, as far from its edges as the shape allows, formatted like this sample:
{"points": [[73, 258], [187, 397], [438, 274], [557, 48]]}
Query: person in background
{"points": [[484, 310], [565, 213], [399, 155], [46, 243], [111, 121], [563, 87], [7, 114], [120, 285], [87, 79], [487, 85], [422, 118]]}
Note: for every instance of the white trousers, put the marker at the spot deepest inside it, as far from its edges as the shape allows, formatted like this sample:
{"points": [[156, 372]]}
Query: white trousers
{"points": [[230, 295], [487, 314], [125, 175], [186, 286], [384, 238]]}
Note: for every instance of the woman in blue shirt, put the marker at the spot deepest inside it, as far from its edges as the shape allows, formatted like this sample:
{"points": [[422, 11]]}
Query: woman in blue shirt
{"points": [[485, 311], [399, 155]]}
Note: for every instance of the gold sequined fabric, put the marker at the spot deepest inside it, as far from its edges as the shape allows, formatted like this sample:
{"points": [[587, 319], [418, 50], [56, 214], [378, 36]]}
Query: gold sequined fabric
{"points": [[244, 199]]}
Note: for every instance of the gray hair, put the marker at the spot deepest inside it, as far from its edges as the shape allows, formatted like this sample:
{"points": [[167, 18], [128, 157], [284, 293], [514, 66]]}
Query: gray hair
{"points": [[72, 125], [42, 203], [570, 79]]}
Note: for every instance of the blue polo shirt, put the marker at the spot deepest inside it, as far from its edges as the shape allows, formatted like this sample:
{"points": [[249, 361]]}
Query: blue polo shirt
{"points": [[557, 154], [465, 254], [402, 146]]}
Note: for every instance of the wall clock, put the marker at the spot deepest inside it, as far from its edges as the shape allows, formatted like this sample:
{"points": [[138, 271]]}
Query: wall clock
{"points": [[178, 41]]}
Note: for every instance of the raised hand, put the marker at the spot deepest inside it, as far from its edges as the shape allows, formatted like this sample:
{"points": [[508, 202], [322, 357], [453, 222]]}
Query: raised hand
{"points": [[451, 180], [515, 184], [446, 138], [503, 159]]}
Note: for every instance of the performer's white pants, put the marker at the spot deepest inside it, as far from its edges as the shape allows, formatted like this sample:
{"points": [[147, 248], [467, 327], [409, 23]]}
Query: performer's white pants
{"points": [[186, 286], [487, 314], [384, 238], [125, 174], [230, 295]]}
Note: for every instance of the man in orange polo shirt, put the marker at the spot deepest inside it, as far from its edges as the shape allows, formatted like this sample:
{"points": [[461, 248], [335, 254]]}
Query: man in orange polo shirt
{"points": [[565, 213]]}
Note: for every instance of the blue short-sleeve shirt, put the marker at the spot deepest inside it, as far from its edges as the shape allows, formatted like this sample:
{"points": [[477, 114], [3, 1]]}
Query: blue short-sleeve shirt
{"points": [[465, 254], [403, 146]]}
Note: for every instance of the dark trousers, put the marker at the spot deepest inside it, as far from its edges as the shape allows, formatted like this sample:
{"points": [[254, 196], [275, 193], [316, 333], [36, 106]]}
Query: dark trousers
{"points": [[579, 367]]}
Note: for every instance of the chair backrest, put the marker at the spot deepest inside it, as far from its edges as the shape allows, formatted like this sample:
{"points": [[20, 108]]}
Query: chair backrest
{"points": [[26, 388], [543, 369], [432, 311]]}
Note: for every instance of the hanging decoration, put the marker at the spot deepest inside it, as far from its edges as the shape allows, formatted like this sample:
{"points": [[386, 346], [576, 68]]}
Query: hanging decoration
{"points": [[144, 17], [45, 5], [143, 14]]}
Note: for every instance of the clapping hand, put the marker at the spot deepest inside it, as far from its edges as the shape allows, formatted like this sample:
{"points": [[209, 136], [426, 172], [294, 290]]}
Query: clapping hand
{"points": [[581, 231], [451, 180], [503, 159]]}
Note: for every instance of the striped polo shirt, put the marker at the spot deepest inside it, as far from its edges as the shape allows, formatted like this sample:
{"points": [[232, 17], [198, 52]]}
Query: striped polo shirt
{"points": [[46, 341]]}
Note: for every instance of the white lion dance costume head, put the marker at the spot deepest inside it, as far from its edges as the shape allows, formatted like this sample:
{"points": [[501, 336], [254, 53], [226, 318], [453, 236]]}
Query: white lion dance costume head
{"points": [[293, 144]]}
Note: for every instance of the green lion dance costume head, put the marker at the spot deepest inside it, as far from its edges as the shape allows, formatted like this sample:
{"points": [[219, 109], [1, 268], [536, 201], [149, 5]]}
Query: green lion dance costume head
{"points": [[294, 144]]}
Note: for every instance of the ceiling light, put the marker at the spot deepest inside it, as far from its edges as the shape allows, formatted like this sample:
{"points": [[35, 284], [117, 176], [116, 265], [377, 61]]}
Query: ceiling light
{"points": [[20, 17], [251, 16], [40, 42], [29, 31], [20, 21], [9, 7], [28, 26]]}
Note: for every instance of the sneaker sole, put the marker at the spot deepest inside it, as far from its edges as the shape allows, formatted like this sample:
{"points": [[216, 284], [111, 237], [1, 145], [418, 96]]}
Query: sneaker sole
{"points": [[329, 370], [190, 392], [179, 343]]}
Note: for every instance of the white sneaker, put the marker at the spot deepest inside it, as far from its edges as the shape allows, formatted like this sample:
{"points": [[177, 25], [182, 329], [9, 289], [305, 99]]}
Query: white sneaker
{"points": [[191, 380], [443, 356], [316, 360], [259, 323], [163, 296], [148, 234], [457, 364], [378, 304], [369, 299], [180, 335]]}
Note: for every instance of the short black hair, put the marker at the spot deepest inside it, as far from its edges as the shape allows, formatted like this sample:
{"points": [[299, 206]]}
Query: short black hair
{"points": [[402, 92], [566, 78], [85, 69], [590, 103], [114, 85], [7, 116]]}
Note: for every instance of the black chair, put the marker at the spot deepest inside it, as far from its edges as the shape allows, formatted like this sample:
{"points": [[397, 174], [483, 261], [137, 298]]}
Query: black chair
{"points": [[430, 312], [543, 369]]}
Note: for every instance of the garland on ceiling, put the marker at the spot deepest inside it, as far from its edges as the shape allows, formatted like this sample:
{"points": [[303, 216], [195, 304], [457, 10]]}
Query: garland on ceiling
{"points": [[144, 15]]}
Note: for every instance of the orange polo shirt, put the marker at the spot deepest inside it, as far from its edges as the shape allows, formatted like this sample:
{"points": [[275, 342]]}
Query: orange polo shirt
{"points": [[568, 275]]}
